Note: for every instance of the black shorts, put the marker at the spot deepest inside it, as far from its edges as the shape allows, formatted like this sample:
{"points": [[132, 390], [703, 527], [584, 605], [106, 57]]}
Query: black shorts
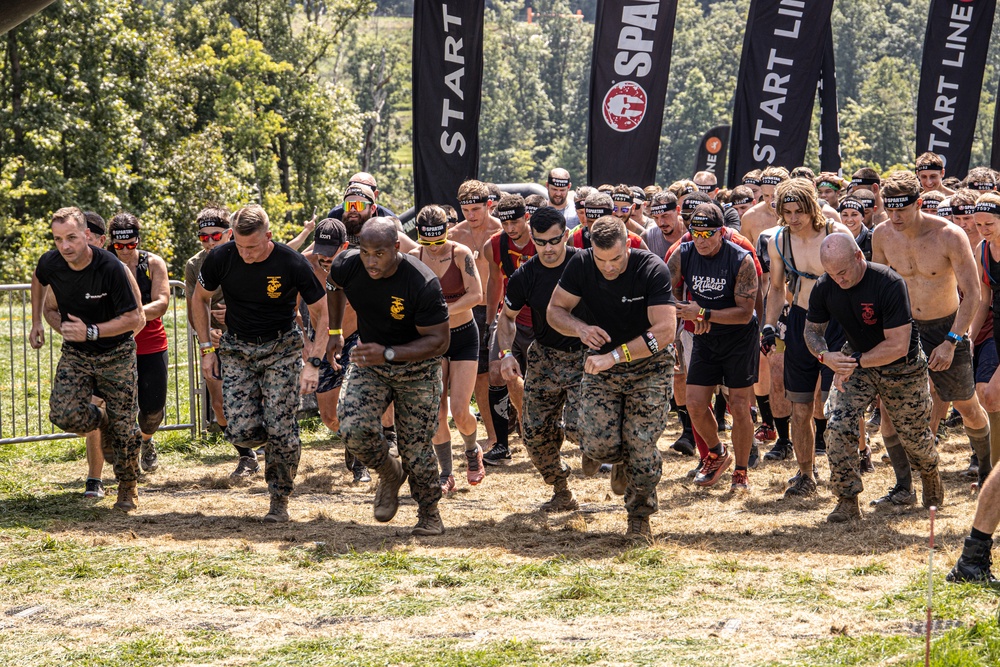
{"points": [[330, 379], [479, 317], [802, 369], [957, 383], [523, 338], [464, 343], [729, 359], [985, 360]]}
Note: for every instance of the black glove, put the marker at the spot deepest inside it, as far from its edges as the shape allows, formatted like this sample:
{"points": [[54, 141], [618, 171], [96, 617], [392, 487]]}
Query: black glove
{"points": [[768, 338]]}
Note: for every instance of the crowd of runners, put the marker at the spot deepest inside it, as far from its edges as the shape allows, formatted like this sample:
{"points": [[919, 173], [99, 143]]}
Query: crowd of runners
{"points": [[822, 308]]}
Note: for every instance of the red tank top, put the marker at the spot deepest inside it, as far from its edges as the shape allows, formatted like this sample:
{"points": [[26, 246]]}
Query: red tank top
{"points": [[452, 283], [153, 337], [509, 262]]}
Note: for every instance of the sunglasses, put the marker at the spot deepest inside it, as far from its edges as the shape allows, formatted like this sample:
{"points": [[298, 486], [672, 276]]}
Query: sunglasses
{"points": [[440, 241], [704, 234], [622, 209], [541, 243], [214, 236], [356, 206], [125, 246]]}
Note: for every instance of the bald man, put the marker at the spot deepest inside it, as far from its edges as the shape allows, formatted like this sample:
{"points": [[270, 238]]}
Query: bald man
{"points": [[882, 357]]}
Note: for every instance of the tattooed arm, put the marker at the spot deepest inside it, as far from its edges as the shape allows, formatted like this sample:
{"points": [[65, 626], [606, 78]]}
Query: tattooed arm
{"points": [[815, 335], [745, 293], [676, 279], [470, 278]]}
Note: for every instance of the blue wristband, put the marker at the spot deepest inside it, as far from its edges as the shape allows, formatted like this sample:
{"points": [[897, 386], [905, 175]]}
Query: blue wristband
{"points": [[954, 337]]}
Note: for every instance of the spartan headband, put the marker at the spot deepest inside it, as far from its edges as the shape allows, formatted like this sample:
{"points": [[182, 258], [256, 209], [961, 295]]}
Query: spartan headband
{"points": [[740, 201], [944, 210], [472, 201], [988, 207], [901, 201], [855, 204], [559, 182], [828, 184], [929, 167], [964, 209], [855, 182], [982, 186], [506, 214], [707, 188], [751, 181], [432, 230], [687, 190], [930, 204], [770, 180], [124, 234], [660, 209], [622, 198], [790, 199], [213, 222], [597, 212], [529, 210]]}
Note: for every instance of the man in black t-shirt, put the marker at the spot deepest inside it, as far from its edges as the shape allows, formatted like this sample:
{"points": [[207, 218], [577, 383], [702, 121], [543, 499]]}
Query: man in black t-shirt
{"points": [[403, 327], [629, 371], [261, 349], [554, 362], [882, 356], [99, 311]]}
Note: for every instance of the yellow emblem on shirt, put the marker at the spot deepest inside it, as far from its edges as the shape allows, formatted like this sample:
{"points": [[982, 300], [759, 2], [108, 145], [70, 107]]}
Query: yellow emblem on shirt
{"points": [[273, 285], [396, 309]]}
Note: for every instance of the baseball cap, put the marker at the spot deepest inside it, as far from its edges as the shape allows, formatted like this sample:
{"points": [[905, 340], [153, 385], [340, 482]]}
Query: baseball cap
{"points": [[707, 215], [360, 190], [330, 236]]}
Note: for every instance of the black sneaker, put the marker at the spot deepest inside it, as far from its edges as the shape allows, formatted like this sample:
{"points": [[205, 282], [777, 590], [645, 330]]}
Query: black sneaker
{"points": [[781, 451], [149, 460], [874, 424], [697, 469], [246, 468], [897, 495], [361, 474], [95, 488], [754, 456], [684, 446], [821, 448], [974, 563], [972, 472], [498, 456], [804, 487], [954, 419], [865, 460]]}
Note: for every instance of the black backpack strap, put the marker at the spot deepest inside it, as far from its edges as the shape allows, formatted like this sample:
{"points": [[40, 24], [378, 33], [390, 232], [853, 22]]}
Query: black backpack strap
{"points": [[505, 259]]}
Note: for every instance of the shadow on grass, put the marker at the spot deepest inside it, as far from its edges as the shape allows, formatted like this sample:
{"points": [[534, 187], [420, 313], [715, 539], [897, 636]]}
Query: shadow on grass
{"points": [[39, 511]]}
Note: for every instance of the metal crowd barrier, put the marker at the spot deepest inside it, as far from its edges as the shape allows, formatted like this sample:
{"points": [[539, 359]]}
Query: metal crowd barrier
{"points": [[26, 374]]}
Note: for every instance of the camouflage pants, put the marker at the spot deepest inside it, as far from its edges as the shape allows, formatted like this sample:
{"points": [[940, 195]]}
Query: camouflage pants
{"points": [[905, 396], [551, 381], [112, 376], [260, 396], [415, 388], [624, 413]]}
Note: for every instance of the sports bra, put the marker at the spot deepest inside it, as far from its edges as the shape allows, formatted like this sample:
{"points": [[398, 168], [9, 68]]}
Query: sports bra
{"points": [[452, 283]]}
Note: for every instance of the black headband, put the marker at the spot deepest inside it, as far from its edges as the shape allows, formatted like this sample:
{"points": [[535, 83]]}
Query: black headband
{"points": [[124, 234], [622, 197], [529, 210], [770, 180], [688, 190], [855, 204], [559, 182], [930, 204], [964, 209], [213, 222], [928, 167], [790, 199], [751, 181], [902, 201], [739, 201], [944, 210], [707, 188], [472, 201], [865, 181], [432, 230], [988, 207], [505, 214], [660, 209], [597, 212], [982, 186]]}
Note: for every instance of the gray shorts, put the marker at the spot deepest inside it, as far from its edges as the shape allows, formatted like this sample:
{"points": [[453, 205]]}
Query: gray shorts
{"points": [[958, 382]]}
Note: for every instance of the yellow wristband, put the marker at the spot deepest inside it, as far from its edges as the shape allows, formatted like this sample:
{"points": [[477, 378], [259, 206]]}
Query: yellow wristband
{"points": [[628, 355], [205, 351], [336, 332]]}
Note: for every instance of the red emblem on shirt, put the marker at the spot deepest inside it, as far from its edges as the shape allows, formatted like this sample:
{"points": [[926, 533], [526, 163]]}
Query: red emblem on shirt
{"points": [[868, 313]]}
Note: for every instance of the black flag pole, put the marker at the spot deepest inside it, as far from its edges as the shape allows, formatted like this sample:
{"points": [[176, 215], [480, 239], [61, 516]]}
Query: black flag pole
{"points": [[829, 113]]}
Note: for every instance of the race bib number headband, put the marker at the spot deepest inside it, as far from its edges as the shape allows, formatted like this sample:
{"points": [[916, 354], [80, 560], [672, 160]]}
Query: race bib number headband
{"points": [[472, 201], [506, 214], [660, 209], [901, 201], [559, 182]]}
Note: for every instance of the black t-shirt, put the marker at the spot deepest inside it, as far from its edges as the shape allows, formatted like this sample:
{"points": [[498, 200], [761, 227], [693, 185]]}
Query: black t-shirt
{"points": [[98, 293], [390, 309], [878, 302], [711, 281], [260, 297], [532, 284], [619, 306]]}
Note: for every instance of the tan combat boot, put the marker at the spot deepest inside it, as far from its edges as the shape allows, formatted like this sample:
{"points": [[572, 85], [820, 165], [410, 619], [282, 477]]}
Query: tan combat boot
{"points": [[390, 478], [428, 521], [847, 509], [562, 500], [279, 510], [128, 497], [639, 529]]}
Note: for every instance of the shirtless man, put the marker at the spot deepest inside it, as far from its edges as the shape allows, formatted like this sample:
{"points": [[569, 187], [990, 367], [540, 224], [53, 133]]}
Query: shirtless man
{"points": [[935, 260], [762, 215], [476, 228], [794, 254], [930, 171]]}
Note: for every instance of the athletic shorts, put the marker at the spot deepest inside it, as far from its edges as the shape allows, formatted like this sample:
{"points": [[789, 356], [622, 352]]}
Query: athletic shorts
{"points": [[958, 382], [479, 317], [802, 369], [523, 337], [683, 345], [330, 379], [729, 359], [985, 360], [464, 343]]}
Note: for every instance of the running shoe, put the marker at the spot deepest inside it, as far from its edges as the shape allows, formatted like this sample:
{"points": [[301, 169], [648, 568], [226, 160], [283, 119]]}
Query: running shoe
{"points": [[447, 485], [781, 451], [715, 465], [361, 474], [865, 460], [246, 467], [476, 472], [693, 472], [684, 445], [754, 460], [897, 495], [148, 458], [795, 478], [741, 482], [498, 456], [804, 487], [875, 422], [765, 433], [820, 447], [95, 488], [954, 419], [972, 472]]}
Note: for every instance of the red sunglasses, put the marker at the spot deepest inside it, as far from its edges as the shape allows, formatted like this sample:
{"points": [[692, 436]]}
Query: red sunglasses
{"points": [[215, 236], [125, 246]]}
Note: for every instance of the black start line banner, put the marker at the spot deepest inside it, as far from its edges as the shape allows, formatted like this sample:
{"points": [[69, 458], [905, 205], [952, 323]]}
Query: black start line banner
{"points": [[829, 114], [628, 89], [951, 79], [776, 89], [447, 82], [712, 152]]}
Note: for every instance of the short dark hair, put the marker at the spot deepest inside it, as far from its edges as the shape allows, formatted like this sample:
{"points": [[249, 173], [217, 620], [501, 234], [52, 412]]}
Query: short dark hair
{"points": [[545, 217], [608, 231], [216, 213], [124, 220]]}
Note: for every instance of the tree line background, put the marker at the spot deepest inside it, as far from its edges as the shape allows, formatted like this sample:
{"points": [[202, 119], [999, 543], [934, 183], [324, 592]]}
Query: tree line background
{"points": [[162, 106]]}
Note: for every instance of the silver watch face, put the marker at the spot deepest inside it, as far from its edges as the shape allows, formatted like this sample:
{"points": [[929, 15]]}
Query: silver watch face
{"points": [[389, 354]]}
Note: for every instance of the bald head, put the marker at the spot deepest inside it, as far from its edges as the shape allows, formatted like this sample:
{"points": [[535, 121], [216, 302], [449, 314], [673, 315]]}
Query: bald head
{"points": [[842, 259], [378, 233]]}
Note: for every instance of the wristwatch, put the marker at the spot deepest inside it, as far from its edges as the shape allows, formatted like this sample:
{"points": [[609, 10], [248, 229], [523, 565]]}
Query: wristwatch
{"points": [[389, 354], [315, 361]]}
